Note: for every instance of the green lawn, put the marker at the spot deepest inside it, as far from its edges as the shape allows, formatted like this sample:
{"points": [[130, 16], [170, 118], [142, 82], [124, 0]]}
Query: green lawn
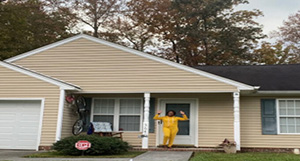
{"points": [[211, 156], [130, 154]]}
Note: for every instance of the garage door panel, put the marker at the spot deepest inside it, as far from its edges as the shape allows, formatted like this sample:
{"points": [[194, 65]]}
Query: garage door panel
{"points": [[29, 123], [29, 118], [6, 116], [5, 136], [27, 130], [26, 136], [19, 124], [6, 130], [10, 122]]}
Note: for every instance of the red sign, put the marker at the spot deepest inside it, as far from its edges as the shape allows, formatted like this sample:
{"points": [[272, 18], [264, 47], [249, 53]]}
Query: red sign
{"points": [[83, 145]]}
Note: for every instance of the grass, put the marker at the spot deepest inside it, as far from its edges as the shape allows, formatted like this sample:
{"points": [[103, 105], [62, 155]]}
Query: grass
{"points": [[53, 154], [211, 156]]}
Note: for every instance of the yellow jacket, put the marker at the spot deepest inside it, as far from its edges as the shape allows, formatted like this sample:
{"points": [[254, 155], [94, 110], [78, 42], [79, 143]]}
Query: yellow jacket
{"points": [[170, 122]]}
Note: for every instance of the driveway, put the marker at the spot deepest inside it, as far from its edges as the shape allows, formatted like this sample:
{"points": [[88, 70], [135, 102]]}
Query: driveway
{"points": [[13, 154], [16, 155]]}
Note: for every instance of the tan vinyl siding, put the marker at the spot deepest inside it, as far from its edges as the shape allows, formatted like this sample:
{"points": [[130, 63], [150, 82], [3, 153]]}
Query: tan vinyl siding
{"points": [[99, 68], [251, 133], [17, 85], [215, 119], [133, 139], [69, 119]]}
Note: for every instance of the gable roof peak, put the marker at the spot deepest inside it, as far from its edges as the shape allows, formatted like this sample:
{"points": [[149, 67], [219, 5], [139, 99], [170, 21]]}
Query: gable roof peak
{"points": [[240, 86]]}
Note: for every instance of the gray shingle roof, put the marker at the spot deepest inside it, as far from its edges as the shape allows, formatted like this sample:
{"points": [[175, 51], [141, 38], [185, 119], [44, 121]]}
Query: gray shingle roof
{"points": [[268, 77]]}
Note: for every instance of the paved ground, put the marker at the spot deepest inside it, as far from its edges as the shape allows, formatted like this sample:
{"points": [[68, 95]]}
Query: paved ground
{"points": [[15, 155], [164, 156]]}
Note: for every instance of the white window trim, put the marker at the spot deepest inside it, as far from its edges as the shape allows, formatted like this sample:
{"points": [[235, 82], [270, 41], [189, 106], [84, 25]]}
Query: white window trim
{"points": [[278, 115], [117, 112]]}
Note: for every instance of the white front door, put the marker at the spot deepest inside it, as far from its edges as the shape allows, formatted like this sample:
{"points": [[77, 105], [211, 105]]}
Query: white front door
{"points": [[187, 129]]}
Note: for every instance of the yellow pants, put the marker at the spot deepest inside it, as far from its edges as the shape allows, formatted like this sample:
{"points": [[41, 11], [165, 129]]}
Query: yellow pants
{"points": [[169, 134]]}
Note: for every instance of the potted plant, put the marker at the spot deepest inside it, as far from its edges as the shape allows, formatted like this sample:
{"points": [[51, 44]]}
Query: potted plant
{"points": [[229, 146]]}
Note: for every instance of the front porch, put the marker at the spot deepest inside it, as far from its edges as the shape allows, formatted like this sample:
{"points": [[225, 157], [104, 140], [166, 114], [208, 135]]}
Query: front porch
{"points": [[213, 117]]}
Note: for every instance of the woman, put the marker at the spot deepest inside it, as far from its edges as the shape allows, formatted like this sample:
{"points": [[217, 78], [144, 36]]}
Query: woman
{"points": [[170, 127]]}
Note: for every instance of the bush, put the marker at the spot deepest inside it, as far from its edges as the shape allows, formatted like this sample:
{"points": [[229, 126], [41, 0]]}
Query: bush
{"points": [[100, 145]]}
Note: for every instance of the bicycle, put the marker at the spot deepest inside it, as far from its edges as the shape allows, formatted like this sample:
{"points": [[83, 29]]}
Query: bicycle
{"points": [[80, 123]]}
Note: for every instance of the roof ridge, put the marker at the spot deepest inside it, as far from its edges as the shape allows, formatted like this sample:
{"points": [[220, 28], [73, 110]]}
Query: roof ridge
{"points": [[262, 65]]}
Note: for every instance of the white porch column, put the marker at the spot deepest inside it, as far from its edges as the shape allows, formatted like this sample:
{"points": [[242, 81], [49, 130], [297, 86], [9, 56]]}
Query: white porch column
{"points": [[146, 121], [60, 114], [236, 109]]}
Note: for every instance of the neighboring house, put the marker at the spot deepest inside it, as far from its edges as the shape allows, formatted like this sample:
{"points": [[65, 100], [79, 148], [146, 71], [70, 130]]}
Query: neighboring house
{"points": [[257, 106]]}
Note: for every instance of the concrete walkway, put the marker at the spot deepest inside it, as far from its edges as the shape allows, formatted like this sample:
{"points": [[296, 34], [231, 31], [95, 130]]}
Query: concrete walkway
{"points": [[164, 156], [15, 155]]}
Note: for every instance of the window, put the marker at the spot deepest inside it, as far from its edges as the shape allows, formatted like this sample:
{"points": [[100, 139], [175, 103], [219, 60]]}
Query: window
{"points": [[103, 110], [289, 116], [130, 111], [123, 114]]}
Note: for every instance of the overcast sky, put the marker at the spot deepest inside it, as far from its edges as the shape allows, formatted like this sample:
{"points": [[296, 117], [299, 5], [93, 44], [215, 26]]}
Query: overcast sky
{"points": [[275, 11]]}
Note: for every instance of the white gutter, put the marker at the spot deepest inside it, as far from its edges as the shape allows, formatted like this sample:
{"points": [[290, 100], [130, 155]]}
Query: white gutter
{"points": [[279, 92]]}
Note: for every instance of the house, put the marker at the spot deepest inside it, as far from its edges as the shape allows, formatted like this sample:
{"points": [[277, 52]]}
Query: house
{"points": [[126, 87]]}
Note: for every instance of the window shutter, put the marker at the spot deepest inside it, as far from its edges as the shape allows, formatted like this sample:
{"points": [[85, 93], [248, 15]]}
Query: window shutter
{"points": [[268, 117], [88, 102], [151, 115]]}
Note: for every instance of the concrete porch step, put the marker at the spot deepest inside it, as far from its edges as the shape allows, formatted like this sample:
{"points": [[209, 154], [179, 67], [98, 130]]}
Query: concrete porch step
{"points": [[179, 149]]}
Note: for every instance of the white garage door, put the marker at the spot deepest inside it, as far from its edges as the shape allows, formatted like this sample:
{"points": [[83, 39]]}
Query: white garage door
{"points": [[19, 124]]}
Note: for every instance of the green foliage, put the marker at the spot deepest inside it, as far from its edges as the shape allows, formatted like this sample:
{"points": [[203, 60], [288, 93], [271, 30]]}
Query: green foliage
{"points": [[25, 25], [100, 145], [201, 156]]}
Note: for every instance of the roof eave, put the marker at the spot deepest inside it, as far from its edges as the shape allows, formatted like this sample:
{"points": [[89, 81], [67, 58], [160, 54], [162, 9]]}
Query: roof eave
{"points": [[61, 84], [38, 50]]}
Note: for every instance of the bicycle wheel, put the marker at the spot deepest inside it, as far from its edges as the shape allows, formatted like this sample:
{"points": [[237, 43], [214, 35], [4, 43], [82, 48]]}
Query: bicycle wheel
{"points": [[80, 103], [77, 127]]}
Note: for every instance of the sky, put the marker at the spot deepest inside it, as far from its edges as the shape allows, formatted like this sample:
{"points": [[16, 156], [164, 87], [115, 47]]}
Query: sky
{"points": [[275, 12]]}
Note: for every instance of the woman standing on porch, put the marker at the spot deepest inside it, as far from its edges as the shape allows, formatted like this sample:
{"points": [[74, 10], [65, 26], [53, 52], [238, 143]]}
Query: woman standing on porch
{"points": [[170, 127]]}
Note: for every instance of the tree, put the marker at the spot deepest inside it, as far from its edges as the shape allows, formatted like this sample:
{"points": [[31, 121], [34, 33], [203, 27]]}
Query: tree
{"points": [[286, 49], [212, 33], [146, 24], [131, 33], [277, 53], [165, 21], [96, 13], [195, 32], [25, 26], [289, 32], [133, 28]]}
